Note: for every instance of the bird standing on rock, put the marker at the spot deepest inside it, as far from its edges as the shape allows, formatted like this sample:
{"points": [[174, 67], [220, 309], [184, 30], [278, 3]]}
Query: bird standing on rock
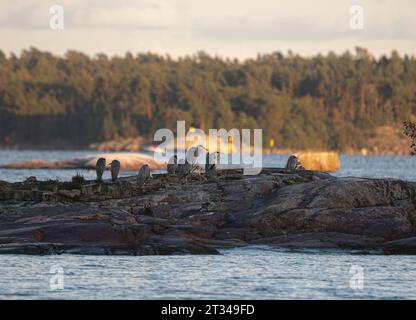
{"points": [[172, 165], [190, 164], [193, 153], [99, 168], [144, 175], [293, 163], [212, 159], [192, 156], [115, 169], [183, 168]]}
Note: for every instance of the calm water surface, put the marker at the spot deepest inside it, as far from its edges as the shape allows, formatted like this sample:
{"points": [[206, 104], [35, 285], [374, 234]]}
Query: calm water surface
{"points": [[249, 273], [243, 273]]}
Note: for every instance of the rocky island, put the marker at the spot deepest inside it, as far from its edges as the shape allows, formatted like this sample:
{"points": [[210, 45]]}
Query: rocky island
{"points": [[203, 213]]}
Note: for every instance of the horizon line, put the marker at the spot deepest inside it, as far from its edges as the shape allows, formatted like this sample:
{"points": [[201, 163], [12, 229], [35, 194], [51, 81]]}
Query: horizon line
{"points": [[288, 54]]}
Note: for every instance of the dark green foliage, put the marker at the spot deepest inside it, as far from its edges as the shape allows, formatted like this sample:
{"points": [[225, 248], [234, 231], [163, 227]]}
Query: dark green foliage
{"points": [[409, 129], [322, 102], [77, 181]]}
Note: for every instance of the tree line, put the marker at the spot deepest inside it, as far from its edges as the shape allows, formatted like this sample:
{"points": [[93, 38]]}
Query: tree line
{"points": [[322, 102]]}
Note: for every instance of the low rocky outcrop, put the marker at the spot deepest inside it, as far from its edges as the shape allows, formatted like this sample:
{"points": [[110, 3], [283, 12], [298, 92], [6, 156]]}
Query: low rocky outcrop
{"points": [[129, 162], [202, 213]]}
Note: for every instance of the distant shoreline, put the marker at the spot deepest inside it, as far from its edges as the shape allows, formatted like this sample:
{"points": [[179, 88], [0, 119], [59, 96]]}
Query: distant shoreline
{"points": [[363, 151]]}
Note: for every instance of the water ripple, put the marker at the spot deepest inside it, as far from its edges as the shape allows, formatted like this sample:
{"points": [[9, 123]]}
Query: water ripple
{"points": [[242, 273]]}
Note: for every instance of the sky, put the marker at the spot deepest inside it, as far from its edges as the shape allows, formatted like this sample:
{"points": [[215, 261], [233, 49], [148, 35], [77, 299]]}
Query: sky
{"points": [[226, 28]]}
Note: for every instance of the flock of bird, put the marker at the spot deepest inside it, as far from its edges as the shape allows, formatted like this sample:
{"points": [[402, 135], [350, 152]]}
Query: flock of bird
{"points": [[174, 167], [181, 167], [142, 177]]}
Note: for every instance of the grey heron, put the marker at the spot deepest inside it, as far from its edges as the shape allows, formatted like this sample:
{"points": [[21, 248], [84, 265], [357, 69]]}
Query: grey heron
{"points": [[99, 168], [115, 169], [144, 175], [212, 159], [172, 165], [293, 163]]}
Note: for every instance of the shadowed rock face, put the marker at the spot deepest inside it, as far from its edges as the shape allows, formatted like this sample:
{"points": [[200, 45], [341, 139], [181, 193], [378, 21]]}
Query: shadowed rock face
{"points": [[377, 208], [169, 215]]}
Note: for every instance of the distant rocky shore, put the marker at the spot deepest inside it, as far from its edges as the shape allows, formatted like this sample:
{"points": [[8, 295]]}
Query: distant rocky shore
{"points": [[129, 161], [168, 215]]}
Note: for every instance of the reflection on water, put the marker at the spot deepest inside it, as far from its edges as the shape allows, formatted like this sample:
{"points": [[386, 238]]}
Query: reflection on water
{"points": [[401, 167]]}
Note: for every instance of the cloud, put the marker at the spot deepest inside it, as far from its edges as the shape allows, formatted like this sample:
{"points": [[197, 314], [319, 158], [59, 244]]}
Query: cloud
{"points": [[128, 14], [20, 14], [218, 26], [382, 20], [276, 29], [120, 14]]}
